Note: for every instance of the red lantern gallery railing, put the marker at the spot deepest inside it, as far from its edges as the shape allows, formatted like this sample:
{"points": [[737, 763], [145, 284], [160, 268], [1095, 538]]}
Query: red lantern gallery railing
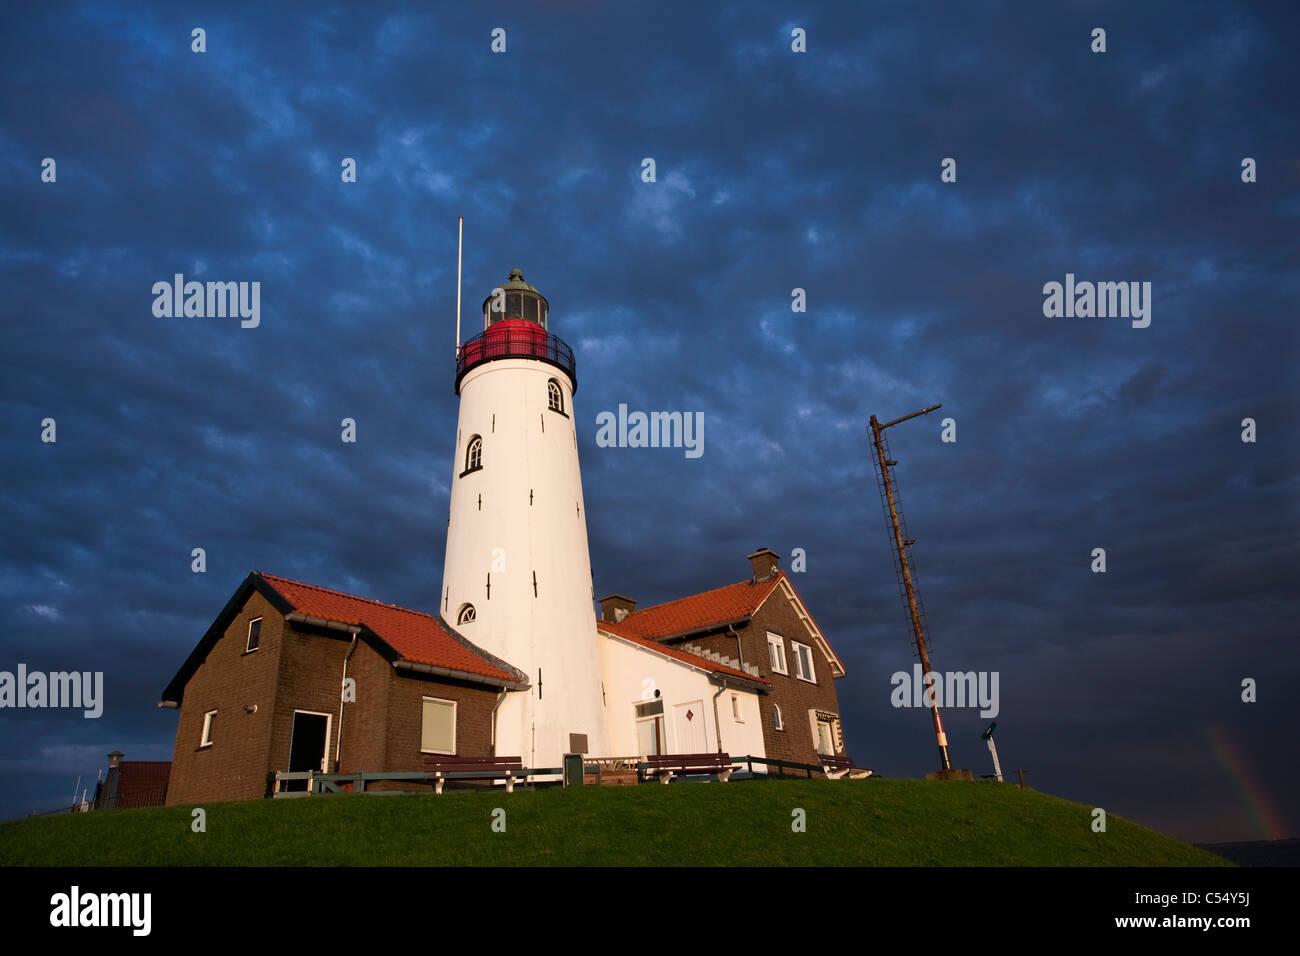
{"points": [[515, 338]]}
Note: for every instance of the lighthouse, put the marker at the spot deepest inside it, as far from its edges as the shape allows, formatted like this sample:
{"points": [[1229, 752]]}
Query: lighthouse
{"points": [[517, 572]]}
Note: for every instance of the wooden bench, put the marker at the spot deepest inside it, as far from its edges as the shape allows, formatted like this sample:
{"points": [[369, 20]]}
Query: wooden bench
{"points": [[443, 768], [667, 766], [836, 766]]}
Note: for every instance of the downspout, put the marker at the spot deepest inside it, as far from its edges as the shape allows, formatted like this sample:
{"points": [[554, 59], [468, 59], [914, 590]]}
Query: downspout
{"points": [[338, 743], [717, 727], [495, 708], [740, 651]]}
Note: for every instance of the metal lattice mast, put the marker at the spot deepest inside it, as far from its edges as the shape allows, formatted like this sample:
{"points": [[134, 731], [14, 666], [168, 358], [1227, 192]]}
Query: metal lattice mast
{"points": [[903, 567]]}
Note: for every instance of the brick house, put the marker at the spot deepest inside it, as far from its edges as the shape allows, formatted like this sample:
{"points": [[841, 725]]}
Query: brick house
{"points": [[264, 691], [761, 621]]}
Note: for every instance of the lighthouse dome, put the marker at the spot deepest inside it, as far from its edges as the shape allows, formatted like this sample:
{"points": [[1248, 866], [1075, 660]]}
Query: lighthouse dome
{"points": [[515, 299], [515, 327]]}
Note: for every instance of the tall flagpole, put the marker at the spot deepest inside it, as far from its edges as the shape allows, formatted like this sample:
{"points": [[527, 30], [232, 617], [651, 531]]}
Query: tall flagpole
{"points": [[460, 245]]}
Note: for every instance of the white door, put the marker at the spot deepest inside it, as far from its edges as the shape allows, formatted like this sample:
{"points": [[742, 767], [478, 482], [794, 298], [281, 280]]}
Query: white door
{"points": [[825, 738], [688, 727]]}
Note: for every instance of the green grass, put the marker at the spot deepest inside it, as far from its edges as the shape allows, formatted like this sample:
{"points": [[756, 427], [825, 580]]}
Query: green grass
{"points": [[855, 823]]}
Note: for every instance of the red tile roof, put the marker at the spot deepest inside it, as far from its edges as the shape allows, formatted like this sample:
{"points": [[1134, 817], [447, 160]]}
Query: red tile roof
{"points": [[621, 630], [706, 609], [417, 637], [735, 602]]}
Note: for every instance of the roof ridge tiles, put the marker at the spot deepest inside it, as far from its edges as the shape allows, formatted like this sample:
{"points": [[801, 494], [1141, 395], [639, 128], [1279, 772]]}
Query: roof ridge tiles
{"points": [[699, 594], [344, 594]]}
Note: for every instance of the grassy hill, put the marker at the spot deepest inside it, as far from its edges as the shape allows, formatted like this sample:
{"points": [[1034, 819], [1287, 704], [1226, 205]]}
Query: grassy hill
{"points": [[857, 823]]}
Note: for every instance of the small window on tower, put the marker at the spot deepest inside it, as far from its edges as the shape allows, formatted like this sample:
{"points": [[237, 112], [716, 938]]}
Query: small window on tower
{"points": [[555, 397], [466, 614], [473, 455]]}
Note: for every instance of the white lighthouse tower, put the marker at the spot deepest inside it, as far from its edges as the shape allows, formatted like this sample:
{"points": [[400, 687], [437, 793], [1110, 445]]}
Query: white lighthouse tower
{"points": [[517, 573]]}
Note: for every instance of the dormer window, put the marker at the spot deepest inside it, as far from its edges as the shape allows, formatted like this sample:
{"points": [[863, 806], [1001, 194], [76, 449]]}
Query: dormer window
{"points": [[473, 455], [554, 396], [466, 614]]}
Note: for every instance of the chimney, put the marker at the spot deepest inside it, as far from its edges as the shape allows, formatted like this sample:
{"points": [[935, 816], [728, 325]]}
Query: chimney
{"points": [[764, 561], [114, 759], [615, 607]]}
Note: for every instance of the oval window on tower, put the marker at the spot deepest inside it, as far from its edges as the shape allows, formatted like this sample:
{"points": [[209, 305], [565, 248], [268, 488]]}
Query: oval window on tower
{"points": [[554, 397], [473, 455], [466, 614]]}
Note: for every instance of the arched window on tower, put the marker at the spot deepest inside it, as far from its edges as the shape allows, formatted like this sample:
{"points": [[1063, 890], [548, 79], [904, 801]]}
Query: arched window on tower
{"points": [[466, 614], [554, 396], [776, 714], [473, 455]]}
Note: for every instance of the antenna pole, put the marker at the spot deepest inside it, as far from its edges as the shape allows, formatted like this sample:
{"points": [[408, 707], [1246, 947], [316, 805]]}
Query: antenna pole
{"points": [[901, 544], [460, 245]]}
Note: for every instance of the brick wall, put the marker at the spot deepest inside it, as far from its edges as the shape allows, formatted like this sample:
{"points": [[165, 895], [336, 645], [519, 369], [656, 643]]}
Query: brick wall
{"points": [[234, 767], [301, 668], [794, 696]]}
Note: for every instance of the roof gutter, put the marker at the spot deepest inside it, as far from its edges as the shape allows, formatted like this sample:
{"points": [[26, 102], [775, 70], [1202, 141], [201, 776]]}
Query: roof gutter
{"points": [[721, 625], [405, 665], [298, 618]]}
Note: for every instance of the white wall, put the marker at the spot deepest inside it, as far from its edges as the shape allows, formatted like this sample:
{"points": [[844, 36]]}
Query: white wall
{"points": [[526, 448], [628, 666]]}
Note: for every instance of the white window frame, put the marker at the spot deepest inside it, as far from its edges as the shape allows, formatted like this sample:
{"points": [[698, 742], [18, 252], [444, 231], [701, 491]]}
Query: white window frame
{"points": [[460, 615], [247, 649], [778, 721], [777, 641], [811, 676], [454, 725], [206, 739], [735, 709]]}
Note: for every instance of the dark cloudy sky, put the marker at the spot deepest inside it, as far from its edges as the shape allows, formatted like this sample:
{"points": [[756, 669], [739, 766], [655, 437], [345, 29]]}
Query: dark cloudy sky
{"points": [[775, 171]]}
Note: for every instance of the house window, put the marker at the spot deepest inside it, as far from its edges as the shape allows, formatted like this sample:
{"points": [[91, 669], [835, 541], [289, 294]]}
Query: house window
{"points": [[438, 726], [803, 662], [776, 717], [735, 709], [473, 455], [466, 614], [208, 720], [650, 728], [554, 397], [254, 634], [776, 653]]}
